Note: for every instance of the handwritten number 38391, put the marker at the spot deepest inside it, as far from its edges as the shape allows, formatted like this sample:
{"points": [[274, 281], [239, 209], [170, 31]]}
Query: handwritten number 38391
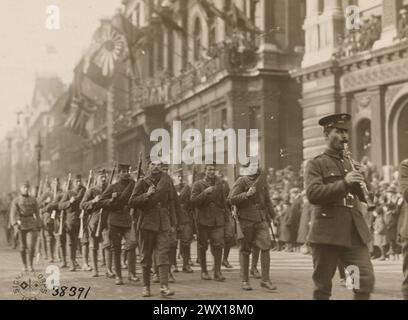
{"points": [[71, 291]]}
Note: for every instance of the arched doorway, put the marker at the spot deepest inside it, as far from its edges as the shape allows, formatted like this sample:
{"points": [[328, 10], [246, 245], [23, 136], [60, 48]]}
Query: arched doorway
{"points": [[402, 133], [363, 139]]}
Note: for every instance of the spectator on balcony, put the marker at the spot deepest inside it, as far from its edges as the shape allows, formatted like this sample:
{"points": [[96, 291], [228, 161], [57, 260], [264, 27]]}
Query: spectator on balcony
{"points": [[403, 25]]}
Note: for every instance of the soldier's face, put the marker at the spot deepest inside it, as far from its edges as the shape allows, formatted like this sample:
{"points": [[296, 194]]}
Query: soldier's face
{"points": [[124, 174], [24, 190], [337, 138], [155, 167], [210, 171], [77, 182], [102, 179], [180, 179]]}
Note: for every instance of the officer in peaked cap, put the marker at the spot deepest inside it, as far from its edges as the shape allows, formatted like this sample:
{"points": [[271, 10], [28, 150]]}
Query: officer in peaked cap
{"points": [[338, 231]]}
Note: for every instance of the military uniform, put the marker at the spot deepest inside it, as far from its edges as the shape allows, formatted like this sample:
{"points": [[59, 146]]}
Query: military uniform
{"points": [[47, 223], [119, 221], [61, 240], [69, 203], [24, 216], [338, 230], [92, 210], [403, 222], [254, 214], [157, 217], [185, 223], [212, 215]]}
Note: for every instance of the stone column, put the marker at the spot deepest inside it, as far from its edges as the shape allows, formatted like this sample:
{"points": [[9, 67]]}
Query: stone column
{"points": [[389, 23], [311, 27], [331, 28], [378, 127], [111, 156]]}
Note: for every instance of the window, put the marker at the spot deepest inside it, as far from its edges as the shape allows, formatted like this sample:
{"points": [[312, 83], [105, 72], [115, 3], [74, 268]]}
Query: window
{"points": [[197, 39]]}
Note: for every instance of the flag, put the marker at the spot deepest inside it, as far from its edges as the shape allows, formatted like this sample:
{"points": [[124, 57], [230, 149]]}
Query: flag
{"points": [[78, 110], [166, 18], [108, 47], [211, 10]]}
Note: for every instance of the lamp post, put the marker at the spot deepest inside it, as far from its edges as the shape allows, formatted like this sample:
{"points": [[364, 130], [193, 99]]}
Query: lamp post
{"points": [[38, 148]]}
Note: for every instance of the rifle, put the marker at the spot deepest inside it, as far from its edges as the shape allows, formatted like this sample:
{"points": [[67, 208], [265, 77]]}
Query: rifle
{"points": [[54, 197], [61, 222], [99, 226], [138, 174], [234, 213], [195, 212], [81, 228]]}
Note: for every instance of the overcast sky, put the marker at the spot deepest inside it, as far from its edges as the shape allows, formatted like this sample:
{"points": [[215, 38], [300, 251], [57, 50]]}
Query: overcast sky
{"points": [[23, 41]]}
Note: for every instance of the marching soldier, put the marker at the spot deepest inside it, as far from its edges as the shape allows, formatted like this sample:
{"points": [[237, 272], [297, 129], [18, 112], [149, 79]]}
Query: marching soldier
{"points": [[207, 196], [403, 230], [338, 230], [61, 239], [154, 197], [70, 204], [89, 203], [229, 239], [115, 201], [48, 223], [184, 220], [255, 212], [25, 218]]}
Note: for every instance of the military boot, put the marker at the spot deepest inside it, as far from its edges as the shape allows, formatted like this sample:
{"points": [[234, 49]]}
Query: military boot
{"points": [[109, 258], [85, 258], [217, 265], [203, 262], [225, 262], [132, 266], [95, 262], [24, 260], [244, 265], [51, 249], [118, 269], [146, 282], [30, 260], [63, 251], [265, 266], [185, 255], [164, 282]]}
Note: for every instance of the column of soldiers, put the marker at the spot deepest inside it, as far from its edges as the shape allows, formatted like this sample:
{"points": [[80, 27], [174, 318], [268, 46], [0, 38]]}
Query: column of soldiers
{"points": [[153, 214]]}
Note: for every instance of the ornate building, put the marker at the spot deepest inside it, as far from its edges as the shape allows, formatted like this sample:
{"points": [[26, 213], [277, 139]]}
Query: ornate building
{"points": [[227, 68], [362, 71]]}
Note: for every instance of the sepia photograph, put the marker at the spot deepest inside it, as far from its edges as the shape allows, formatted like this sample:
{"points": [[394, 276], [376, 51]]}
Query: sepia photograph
{"points": [[203, 156]]}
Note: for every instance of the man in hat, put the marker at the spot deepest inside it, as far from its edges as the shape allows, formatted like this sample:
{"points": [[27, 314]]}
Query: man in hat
{"points": [[25, 218], [255, 212], [184, 219], [403, 224], [154, 197], [90, 203], [207, 196], [70, 204], [338, 230], [115, 201]]}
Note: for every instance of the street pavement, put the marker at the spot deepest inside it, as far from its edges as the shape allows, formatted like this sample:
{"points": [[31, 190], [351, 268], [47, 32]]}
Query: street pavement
{"points": [[291, 272]]}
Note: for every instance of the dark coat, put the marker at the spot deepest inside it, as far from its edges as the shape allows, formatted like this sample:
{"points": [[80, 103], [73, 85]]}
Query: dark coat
{"points": [[117, 209], [403, 182], [212, 209], [91, 208], [184, 213], [256, 208], [72, 210], [326, 190], [284, 233], [304, 226], [157, 210], [293, 221], [25, 210]]}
